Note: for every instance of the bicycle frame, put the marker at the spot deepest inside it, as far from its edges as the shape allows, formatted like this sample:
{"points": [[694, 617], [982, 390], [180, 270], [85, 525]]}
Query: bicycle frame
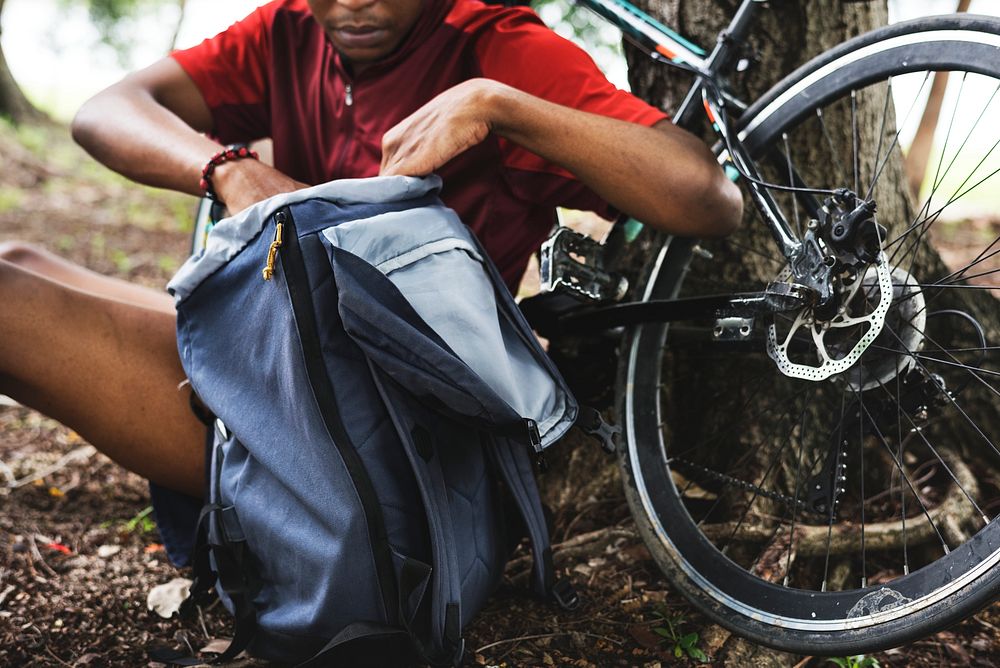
{"points": [[672, 49], [553, 317]]}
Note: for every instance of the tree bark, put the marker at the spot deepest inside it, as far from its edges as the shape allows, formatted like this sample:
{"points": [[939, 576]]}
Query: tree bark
{"points": [[787, 35], [181, 7], [13, 104]]}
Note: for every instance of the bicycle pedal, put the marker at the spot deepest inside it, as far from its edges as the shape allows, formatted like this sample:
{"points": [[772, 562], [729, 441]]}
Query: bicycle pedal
{"points": [[574, 263]]}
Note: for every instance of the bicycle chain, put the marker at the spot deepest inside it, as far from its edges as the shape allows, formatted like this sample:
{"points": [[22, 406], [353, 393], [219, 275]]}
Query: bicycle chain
{"points": [[743, 484]]}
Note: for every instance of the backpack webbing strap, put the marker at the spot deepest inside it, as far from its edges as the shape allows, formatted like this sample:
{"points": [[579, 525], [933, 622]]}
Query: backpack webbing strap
{"points": [[517, 473], [232, 574], [351, 632]]}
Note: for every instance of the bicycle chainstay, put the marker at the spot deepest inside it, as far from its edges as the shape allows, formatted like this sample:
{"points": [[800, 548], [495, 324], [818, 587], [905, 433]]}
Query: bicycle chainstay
{"points": [[730, 481]]}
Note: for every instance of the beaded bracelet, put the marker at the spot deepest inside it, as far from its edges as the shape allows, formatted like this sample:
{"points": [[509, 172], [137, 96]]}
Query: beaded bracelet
{"points": [[231, 152]]}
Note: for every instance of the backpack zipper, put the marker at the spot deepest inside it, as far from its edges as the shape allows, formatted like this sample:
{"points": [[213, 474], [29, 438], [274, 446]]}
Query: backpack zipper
{"points": [[293, 266], [268, 271]]}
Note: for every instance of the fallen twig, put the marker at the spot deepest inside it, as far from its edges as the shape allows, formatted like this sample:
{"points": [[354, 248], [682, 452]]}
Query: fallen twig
{"points": [[81, 453], [540, 636], [5, 593], [38, 555]]}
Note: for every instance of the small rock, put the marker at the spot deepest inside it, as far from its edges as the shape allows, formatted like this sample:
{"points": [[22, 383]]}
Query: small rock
{"points": [[105, 551]]}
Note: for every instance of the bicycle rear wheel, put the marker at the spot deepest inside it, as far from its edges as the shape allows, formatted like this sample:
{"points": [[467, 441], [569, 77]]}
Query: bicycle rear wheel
{"points": [[857, 512]]}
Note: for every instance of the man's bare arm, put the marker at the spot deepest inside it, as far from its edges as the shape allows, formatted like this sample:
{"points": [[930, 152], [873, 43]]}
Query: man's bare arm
{"points": [[663, 176], [149, 127]]}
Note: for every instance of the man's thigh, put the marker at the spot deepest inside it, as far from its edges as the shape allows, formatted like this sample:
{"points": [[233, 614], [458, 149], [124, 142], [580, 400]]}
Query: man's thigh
{"points": [[101, 357]]}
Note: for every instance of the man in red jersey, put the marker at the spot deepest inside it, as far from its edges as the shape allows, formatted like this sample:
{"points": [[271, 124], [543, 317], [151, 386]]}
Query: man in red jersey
{"points": [[515, 119]]}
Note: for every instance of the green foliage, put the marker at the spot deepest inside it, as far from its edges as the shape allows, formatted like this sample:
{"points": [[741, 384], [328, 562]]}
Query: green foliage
{"points": [[857, 661], [141, 522], [112, 18], [121, 260], [10, 198], [683, 643]]}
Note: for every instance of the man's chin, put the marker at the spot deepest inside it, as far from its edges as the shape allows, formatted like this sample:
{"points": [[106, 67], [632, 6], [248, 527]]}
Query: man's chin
{"points": [[362, 51]]}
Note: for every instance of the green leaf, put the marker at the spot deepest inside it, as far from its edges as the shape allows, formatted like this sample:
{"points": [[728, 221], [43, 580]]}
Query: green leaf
{"points": [[839, 661], [689, 640], [661, 631], [698, 655], [678, 652]]}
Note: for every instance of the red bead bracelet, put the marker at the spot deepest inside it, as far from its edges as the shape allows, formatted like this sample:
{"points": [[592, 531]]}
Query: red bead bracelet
{"points": [[231, 152]]}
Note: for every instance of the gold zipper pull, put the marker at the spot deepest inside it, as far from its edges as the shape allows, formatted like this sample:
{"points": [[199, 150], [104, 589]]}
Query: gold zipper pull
{"points": [[273, 251]]}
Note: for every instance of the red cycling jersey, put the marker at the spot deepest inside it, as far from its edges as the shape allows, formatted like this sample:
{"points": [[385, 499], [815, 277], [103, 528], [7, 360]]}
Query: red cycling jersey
{"points": [[274, 74]]}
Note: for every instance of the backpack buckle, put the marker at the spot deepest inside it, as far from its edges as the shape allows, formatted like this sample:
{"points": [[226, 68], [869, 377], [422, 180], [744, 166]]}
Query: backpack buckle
{"points": [[591, 422], [564, 594]]}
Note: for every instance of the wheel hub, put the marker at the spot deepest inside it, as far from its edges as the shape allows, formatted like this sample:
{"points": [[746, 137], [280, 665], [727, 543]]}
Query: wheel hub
{"points": [[891, 353], [834, 341]]}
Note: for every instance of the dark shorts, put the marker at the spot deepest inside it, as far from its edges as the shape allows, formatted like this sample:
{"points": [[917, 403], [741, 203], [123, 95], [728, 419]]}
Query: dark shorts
{"points": [[176, 516], [176, 513]]}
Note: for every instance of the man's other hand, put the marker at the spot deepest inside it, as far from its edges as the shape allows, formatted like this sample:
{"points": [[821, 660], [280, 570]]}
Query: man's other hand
{"points": [[452, 122]]}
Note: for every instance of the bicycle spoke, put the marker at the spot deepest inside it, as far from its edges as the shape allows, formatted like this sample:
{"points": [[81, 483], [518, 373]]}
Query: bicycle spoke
{"points": [[895, 139], [979, 258], [927, 222], [861, 478], [766, 438], [902, 472], [947, 396], [829, 143], [881, 134], [832, 505], [799, 483], [973, 369], [938, 177], [902, 490], [735, 426], [763, 480], [920, 433]]}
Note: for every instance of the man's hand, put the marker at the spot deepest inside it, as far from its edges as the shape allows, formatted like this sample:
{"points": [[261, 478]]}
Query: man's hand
{"points": [[242, 183], [452, 122], [662, 176]]}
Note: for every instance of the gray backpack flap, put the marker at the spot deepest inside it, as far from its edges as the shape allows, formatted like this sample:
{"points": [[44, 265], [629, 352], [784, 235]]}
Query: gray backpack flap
{"points": [[378, 396]]}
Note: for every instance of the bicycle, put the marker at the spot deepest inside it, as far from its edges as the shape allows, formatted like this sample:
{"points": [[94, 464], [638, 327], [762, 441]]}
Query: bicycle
{"points": [[818, 502], [791, 549]]}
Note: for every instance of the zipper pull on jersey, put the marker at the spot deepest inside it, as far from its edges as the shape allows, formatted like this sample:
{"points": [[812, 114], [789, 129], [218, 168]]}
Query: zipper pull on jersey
{"points": [[348, 95]]}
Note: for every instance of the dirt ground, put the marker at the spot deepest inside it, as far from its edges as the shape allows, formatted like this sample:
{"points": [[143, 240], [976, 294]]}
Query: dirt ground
{"points": [[78, 554]]}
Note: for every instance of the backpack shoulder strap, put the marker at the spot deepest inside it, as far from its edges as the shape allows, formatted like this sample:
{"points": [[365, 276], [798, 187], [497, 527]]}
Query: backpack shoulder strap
{"points": [[515, 467]]}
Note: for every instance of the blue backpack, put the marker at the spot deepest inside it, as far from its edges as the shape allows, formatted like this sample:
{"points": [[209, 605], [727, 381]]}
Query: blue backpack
{"points": [[378, 399]]}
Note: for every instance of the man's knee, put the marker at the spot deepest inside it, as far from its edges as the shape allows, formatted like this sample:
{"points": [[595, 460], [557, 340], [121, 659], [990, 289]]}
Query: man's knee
{"points": [[19, 253]]}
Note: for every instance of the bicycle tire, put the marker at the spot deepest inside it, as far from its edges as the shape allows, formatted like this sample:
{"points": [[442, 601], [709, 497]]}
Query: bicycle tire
{"points": [[794, 618]]}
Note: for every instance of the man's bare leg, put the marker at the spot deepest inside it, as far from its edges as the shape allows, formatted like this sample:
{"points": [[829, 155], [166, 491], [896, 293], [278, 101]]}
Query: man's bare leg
{"points": [[100, 356]]}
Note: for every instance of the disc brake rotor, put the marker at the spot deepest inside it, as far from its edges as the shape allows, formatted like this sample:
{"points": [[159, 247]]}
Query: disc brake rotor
{"points": [[830, 365]]}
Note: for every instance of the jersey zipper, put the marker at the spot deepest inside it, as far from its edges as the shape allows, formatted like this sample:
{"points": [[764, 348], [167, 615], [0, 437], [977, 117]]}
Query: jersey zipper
{"points": [[348, 132], [299, 293]]}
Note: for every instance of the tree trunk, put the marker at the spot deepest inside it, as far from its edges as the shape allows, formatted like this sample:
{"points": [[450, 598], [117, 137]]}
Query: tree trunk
{"points": [[13, 104], [181, 6], [700, 392]]}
